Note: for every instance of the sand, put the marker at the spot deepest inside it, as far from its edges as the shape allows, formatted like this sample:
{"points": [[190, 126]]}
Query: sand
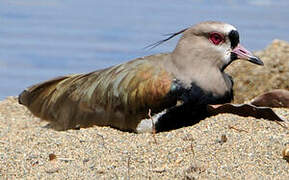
{"points": [[225, 146]]}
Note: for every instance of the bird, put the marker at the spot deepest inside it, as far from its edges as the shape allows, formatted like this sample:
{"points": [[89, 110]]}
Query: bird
{"points": [[137, 95]]}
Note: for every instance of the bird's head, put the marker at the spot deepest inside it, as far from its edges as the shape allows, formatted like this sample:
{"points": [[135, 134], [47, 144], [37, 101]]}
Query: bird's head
{"points": [[213, 43]]}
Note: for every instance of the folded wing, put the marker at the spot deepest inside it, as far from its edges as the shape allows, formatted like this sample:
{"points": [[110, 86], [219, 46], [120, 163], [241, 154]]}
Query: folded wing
{"points": [[119, 96]]}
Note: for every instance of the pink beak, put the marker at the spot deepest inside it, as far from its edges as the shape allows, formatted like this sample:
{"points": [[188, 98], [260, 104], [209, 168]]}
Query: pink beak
{"points": [[243, 53]]}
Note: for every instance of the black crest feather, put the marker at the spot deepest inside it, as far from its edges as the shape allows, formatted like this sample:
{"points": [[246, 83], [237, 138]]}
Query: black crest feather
{"points": [[171, 35]]}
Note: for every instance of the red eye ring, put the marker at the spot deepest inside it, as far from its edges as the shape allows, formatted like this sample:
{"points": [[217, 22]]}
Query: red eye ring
{"points": [[216, 38]]}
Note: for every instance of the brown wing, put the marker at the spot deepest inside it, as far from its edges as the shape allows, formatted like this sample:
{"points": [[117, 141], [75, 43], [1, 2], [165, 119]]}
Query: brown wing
{"points": [[119, 96]]}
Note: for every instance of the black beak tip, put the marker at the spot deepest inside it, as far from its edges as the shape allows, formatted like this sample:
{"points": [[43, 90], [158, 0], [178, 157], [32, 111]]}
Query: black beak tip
{"points": [[256, 60]]}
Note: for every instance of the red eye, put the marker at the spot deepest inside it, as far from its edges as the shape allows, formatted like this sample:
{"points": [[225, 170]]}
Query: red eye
{"points": [[216, 38]]}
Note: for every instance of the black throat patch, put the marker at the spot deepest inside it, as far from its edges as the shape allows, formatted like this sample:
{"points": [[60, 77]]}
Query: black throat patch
{"points": [[234, 38]]}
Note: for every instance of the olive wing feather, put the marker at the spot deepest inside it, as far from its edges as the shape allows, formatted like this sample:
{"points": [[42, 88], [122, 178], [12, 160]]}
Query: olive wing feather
{"points": [[119, 96]]}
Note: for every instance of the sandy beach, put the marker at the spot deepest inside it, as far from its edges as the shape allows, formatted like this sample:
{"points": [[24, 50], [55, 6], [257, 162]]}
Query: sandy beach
{"points": [[225, 146]]}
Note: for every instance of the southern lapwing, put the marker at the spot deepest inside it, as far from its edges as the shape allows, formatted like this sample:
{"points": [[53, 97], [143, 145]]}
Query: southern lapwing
{"points": [[192, 76]]}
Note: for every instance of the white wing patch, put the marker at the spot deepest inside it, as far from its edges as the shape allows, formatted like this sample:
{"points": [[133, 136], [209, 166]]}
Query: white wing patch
{"points": [[147, 125]]}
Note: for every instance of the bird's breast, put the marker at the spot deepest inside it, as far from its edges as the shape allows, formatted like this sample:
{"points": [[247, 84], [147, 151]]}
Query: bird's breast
{"points": [[197, 94]]}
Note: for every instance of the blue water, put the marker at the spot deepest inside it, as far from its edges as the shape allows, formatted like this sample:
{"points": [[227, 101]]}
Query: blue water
{"points": [[42, 39]]}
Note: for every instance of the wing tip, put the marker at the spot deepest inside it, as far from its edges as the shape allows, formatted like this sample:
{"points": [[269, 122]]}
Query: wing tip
{"points": [[23, 98]]}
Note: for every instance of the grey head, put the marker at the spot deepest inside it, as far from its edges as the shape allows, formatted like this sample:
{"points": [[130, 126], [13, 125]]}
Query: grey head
{"points": [[211, 43]]}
